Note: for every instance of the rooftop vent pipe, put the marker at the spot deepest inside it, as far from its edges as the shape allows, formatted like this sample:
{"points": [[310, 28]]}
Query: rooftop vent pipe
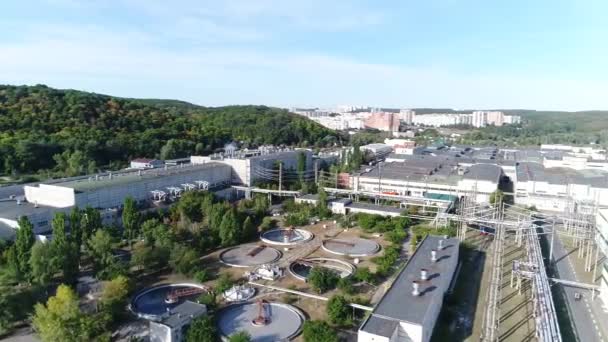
{"points": [[416, 288], [440, 245], [434, 255], [424, 274]]}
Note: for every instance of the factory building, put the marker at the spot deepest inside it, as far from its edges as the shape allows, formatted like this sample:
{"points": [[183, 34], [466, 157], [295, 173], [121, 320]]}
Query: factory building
{"points": [[601, 222], [426, 176], [251, 166], [409, 309], [555, 188], [110, 190]]}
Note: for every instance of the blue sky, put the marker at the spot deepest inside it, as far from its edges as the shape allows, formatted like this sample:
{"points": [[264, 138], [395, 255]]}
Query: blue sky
{"points": [[541, 54]]}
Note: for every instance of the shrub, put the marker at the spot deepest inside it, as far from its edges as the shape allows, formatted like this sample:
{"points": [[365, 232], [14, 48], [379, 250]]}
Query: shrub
{"points": [[322, 279]]}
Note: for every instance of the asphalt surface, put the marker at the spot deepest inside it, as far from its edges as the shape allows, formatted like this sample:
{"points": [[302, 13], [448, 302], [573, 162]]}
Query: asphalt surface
{"points": [[585, 323]]}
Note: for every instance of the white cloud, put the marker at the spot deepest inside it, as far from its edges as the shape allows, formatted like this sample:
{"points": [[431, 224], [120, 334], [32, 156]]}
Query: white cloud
{"points": [[214, 76]]}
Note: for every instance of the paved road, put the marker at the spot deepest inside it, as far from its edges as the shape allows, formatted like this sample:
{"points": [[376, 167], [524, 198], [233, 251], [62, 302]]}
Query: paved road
{"points": [[584, 320]]}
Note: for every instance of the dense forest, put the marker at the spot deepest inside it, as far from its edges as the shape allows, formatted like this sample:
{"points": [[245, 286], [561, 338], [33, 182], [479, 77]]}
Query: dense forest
{"points": [[66, 132], [545, 127]]}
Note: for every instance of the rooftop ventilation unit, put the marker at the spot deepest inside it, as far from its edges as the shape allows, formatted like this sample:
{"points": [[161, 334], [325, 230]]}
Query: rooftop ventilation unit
{"points": [[424, 274], [415, 288], [434, 255]]}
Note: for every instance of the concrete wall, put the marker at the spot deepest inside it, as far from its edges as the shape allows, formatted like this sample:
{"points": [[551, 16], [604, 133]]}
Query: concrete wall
{"points": [[50, 195], [159, 332]]}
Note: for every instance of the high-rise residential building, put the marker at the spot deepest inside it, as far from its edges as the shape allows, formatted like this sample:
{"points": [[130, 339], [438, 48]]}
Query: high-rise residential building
{"points": [[482, 118], [383, 121], [407, 116]]}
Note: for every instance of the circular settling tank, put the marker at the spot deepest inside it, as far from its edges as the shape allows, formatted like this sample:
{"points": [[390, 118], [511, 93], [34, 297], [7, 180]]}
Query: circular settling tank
{"points": [[301, 268], [154, 301], [286, 236], [351, 247], [249, 255], [282, 321]]}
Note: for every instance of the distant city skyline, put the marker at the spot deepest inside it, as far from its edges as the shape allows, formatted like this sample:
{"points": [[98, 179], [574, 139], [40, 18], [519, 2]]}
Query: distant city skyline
{"points": [[474, 54]]}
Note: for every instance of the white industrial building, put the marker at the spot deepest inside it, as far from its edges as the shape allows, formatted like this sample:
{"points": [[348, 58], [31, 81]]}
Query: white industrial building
{"points": [[249, 167], [409, 309], [555, 188], [110, 190], [105, 192], [173, 325], [144, 163], [429, 176]]}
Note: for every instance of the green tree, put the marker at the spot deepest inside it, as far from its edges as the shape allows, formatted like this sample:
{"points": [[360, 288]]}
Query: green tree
{"points": [[249, 230], [229, 228], [183, 259], [202, 329], [76, 232], [496, 197], [130, 219], [114, 297], [65, 252], [42, 269], [100, 251], [301, 168], [338, 311], [323, 279], [90, 222], [322, 209], [61, 320], [319, 331], [23, 246], [241, 336]]}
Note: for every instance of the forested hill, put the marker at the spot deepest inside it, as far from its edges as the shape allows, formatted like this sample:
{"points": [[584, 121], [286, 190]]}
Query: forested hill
{"points": [[68, 132]]}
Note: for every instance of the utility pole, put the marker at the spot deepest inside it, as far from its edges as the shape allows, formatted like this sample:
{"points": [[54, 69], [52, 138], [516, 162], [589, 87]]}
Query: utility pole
{"points": [[280, 177], [379, 177], [336, 179]]}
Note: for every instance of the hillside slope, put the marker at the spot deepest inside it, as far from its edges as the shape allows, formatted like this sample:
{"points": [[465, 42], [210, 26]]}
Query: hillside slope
{"points": [[68, 132]]}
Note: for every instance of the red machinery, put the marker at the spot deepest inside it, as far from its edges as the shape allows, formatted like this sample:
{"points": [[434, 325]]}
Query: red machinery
{"points": [[174, 295], [262, 319]]}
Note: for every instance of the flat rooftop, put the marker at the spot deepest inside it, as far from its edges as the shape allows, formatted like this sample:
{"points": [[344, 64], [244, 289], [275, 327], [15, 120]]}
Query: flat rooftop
{"points": [[183, 314], [13, 211], [398, 303], [92, 182], [536, 172], [432, 169]]}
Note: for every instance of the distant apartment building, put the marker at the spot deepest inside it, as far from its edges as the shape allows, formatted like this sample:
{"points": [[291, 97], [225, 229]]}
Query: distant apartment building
{"points": [[309, 112], [437, 119], [483, 118], [407, 116], [388, 122]]}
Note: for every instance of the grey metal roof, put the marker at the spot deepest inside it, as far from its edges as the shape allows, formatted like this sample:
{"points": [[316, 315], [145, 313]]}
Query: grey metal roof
{"points": [[125, 177], [398, 303], [7, 232], [312, 197], [487, 172], [184, 313], [13, 211], [562, 176]]}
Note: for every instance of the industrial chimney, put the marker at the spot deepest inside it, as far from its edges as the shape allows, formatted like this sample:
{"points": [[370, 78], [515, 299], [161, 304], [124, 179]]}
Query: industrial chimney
{"points": [[434, 255], [416, 288], [424, 274]]}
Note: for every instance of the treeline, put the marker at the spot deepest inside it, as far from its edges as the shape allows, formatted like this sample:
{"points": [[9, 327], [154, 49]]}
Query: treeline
{"points": [[545, 127], [68, 132]]}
